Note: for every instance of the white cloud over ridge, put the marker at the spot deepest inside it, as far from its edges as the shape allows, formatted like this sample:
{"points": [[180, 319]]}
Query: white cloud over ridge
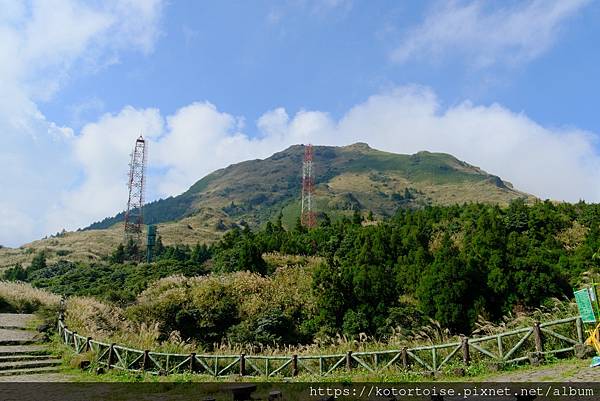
{"points": [[198, 138], [511, 34], [561, 164], [61, 179]]}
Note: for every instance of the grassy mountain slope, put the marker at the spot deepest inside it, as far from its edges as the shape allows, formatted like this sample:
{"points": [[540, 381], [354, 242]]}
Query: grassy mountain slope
{"points": [[347, 178]]}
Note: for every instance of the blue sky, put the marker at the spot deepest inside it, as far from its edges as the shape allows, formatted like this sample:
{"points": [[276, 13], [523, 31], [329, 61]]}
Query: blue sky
{"points": [[250, 56], [510, 86]]}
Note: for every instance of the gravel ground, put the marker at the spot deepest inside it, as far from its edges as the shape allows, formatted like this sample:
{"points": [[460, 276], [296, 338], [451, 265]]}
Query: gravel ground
{"points": [[568, 371]]}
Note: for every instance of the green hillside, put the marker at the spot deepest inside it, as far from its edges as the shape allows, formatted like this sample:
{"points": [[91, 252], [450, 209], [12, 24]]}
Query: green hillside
{"points": [[347, 178]]}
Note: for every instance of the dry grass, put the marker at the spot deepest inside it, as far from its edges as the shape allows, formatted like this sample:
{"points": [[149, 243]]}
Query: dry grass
{"points": [[554, 309], [93, 245], [470, 192], [363, 185], [573, 236], [108, 323], [23, 298]]}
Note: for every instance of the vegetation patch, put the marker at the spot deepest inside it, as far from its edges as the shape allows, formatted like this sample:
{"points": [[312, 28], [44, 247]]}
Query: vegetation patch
{"points": [[360, 279], [18, 297]]}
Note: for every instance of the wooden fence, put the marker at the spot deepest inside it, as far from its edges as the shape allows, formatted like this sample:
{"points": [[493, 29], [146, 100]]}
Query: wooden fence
{"points": [[555, 337]]}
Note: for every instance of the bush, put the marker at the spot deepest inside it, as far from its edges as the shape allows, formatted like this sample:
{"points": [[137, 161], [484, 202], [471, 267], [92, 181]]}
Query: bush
{"points": [[248, 307], [15, 273], [23, 298], [109, 323]]}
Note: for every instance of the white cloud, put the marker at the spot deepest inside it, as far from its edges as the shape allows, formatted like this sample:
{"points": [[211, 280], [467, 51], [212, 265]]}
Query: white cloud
{"points": [[189, 146], [57, 179], [42, 44], [274, 123], [102, 151], [548, 162], [506, 35], [198, 138]]}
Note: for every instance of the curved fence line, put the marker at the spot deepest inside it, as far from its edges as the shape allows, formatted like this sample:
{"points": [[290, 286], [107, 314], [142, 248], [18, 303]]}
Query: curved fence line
{"points": [[529, 343]]}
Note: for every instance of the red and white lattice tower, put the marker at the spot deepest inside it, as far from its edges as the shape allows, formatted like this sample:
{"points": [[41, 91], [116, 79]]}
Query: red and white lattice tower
{"points": [[134, 216], [308, 217]]}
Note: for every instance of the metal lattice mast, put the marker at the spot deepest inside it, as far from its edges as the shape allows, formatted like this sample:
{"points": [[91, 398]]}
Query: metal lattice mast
{"points": [[134, 216], [308, 217]]}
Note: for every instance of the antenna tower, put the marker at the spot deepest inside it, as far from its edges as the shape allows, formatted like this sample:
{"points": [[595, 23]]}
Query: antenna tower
{"points": [[134, 216], [308, 217]]}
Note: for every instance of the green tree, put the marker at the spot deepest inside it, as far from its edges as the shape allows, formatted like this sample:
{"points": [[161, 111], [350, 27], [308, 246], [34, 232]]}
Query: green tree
{"points": [[132, 251], [200, 254], [325, 220], [279, 222], [118, 255], [356, 217], [159, 248], [38, 262], [15, 273], [447, 290], [299, 227], [239, 251]]}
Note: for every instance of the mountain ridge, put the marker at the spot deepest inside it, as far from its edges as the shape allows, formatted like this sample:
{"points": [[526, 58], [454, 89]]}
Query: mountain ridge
{"points": [[439, 168], [347, 178]]}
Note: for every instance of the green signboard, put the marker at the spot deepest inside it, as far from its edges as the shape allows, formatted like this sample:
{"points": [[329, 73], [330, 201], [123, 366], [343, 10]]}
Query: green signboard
{"points": [[585, 306]]}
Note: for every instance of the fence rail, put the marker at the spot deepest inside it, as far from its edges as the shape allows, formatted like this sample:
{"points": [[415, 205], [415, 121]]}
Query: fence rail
{"points": [[558, 336]]}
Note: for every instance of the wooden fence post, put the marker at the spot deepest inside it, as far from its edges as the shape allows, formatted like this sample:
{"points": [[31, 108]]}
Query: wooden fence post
{"points": [[294, 365], [242, 364], [111, 353], [145, 360], [465, 350], [404, 356], [579, 324], [192, 357], [81, 343], [537, 335]]}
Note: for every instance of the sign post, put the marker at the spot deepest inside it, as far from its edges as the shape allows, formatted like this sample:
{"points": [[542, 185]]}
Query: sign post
{"points": [[589, 310], [585, 305]]}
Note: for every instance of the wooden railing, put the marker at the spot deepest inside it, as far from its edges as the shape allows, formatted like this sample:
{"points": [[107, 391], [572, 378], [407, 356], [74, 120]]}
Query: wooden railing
{"points": [[555, 337]]}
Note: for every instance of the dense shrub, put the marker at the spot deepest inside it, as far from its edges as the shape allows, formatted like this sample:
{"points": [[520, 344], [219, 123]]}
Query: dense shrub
{"points": [[454, 264], [242, 306]]}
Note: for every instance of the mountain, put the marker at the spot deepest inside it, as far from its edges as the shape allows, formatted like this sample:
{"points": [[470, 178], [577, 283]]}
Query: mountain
{"points": [[346, 178], [256, 191]]}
